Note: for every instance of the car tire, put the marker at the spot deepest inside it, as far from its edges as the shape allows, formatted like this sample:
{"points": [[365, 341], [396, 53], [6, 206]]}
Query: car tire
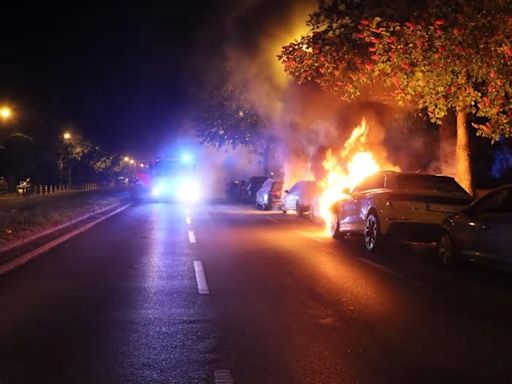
{"points": [[334, 227], [299, 209], [445, 249], [373, 239]]}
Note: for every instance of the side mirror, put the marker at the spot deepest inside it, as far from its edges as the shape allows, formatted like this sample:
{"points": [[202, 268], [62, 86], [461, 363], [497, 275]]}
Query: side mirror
{"points": [[286, 191], [345, 191]]}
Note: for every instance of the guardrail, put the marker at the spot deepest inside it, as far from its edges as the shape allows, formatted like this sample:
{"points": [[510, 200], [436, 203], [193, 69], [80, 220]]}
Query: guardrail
{"points": [[50, 189]]}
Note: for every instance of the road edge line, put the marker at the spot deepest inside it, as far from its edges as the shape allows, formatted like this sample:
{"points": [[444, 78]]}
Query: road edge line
{"points": [[25, 240], [19, 261]]}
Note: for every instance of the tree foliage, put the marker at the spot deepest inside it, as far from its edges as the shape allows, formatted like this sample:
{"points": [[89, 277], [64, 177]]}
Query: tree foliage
{"points": [[457, 57], [453, 55], [229, 119], [334, 55]]}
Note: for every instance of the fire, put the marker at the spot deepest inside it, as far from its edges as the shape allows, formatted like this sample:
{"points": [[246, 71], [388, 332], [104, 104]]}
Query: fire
{"points": [[345, 170]]}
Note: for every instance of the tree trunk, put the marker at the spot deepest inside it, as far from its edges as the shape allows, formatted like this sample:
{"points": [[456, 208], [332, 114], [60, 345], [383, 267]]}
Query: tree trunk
{"points": [[447, 141], [462, 156]]}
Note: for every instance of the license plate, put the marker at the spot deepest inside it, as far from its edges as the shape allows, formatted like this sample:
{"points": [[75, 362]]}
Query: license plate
{"points": [[443, 208]]}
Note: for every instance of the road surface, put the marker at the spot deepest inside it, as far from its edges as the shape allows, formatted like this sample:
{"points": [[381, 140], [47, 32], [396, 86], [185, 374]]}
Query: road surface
{"points": [[217, 294]]}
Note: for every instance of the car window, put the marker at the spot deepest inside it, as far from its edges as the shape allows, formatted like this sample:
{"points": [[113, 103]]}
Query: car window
{"points": [[428, 182], [495, 202], [372, 182], [294, 188], [267, 184]]}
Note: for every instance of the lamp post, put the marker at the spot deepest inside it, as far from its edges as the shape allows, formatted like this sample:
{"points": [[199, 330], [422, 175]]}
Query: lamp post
{"points": [[65, 161]]}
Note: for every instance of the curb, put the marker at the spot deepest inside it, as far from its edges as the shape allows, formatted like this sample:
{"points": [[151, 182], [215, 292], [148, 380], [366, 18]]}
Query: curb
{"points": [[19, 261], [27, 239]]}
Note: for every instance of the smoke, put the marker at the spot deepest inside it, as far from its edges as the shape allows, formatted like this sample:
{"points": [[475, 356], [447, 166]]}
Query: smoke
{"points": [[302, 121]]}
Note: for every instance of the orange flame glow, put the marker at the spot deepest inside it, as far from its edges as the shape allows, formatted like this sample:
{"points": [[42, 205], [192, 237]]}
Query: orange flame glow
{"points": [[345, 170]]}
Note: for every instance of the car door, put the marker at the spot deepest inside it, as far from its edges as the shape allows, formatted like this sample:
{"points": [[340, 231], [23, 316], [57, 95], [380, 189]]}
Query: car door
{"points": [[496, 228], [291, 198], [352, 213], [489, 226]]}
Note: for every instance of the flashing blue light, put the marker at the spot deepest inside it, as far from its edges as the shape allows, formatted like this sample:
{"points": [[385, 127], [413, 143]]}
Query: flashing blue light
{"points": [[186, 158]]}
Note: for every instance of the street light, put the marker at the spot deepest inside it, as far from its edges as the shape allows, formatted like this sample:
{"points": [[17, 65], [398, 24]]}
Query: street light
{"points": [[132, 161], [5, 113], [126, 159], [66, 136]]}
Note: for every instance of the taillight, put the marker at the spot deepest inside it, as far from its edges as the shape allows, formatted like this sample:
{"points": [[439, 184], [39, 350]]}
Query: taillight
{"points": [[276, 195]]}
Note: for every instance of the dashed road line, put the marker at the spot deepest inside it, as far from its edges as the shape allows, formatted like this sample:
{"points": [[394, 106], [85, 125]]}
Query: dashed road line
{"points": [[391, 272], [223, 376], [191, 237], [188, 220], [202, 285], [271, 219]]}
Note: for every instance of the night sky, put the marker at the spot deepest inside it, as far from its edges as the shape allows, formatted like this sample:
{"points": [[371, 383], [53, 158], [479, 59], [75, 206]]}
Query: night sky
{"points": [[124, 77]]}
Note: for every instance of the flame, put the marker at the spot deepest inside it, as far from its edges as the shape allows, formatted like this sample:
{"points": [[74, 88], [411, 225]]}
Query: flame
{"points": [[344, 171]]}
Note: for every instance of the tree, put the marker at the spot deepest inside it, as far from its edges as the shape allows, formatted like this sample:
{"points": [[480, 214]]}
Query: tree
{"points": [[333, 54], [231, 120], [457, 58]]}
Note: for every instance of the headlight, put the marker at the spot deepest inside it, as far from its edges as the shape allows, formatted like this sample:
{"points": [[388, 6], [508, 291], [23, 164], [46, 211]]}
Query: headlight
{"points": [[189, 190], [160, 189]]}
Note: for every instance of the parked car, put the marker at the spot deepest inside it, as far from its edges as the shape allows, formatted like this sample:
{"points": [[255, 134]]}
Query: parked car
{"points": [[403, 204], [482, 230], [269, 195], [300, 197], [252, 186], [235, 190]]}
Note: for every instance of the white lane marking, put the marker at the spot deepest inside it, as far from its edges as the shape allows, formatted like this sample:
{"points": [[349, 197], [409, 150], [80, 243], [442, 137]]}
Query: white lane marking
{"points": [[309, 236], [202, 285], [391, 272], [191, 237], [19, 261], [188, 220], [271, 219], [223, 376]]}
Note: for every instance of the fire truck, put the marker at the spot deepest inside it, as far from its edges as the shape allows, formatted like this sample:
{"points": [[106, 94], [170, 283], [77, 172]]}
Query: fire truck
{"points": [[167, 179]]}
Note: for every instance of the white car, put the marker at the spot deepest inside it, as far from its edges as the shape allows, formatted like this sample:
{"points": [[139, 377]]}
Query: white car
{"points": [[269, 195], [405, 204], [300, 197]]}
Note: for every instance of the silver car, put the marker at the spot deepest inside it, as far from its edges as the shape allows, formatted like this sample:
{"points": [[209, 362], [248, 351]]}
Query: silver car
{"points": [[482, 230], [398, 204], [269, 195], [299, 198]]}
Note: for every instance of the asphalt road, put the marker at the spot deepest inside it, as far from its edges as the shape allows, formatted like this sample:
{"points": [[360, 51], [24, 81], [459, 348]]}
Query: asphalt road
{"points": [[286, 304]]}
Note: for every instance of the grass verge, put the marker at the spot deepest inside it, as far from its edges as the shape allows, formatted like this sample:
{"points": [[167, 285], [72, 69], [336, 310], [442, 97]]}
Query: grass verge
{"points": [[25, 217]]}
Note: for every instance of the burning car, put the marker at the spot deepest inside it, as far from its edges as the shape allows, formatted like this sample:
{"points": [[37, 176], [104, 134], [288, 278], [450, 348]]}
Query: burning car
{"points": [[405, 204]]}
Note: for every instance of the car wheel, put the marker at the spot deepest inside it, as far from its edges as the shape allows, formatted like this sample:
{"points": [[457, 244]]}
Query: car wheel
{"points": [[334, 227], [312, 214], [299, 209], [372, 236], [445, 250]]}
